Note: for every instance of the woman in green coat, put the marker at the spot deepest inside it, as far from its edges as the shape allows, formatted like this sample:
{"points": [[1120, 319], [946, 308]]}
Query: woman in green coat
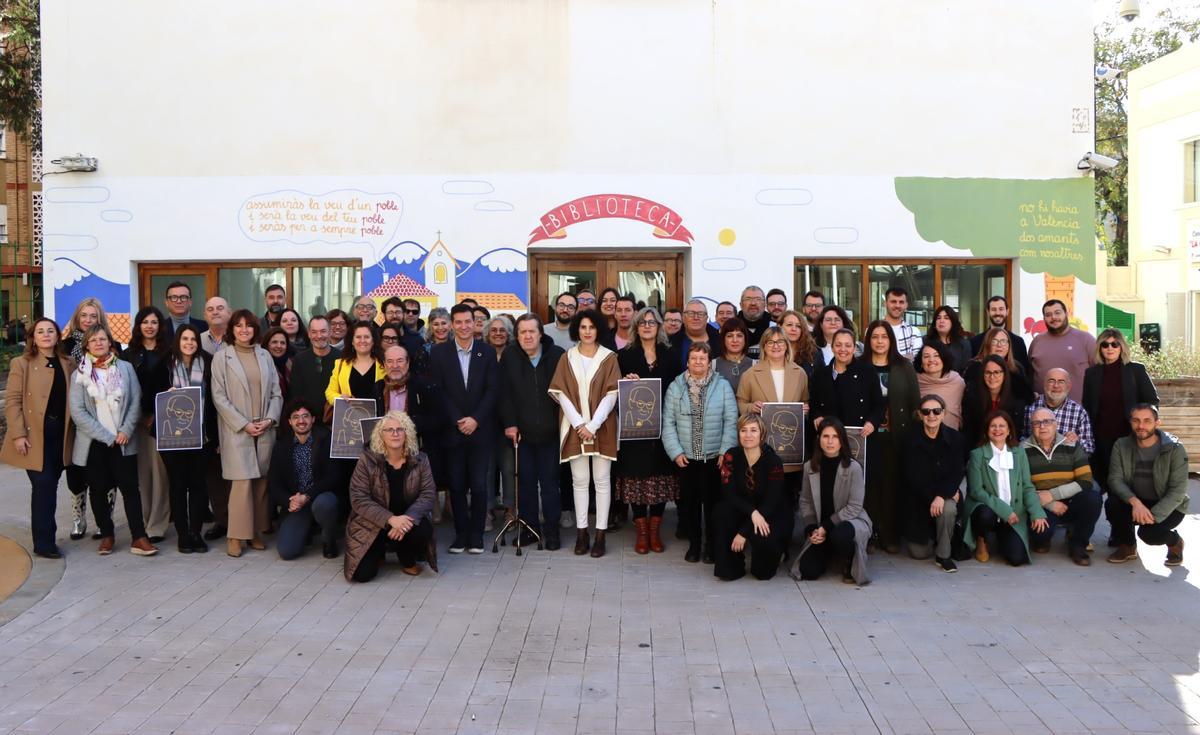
{"points": [[1000, 495], [898, 383]]}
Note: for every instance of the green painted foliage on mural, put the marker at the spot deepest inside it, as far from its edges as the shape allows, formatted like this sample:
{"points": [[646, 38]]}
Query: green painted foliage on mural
{"points": [[1047, 223]]}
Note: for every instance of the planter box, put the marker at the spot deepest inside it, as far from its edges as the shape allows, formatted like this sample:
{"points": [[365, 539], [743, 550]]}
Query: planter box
{"points": [[1179, 409]]}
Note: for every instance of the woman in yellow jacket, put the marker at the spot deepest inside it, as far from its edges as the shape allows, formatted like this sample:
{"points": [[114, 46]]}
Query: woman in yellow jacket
{"points": [[359, 368]]}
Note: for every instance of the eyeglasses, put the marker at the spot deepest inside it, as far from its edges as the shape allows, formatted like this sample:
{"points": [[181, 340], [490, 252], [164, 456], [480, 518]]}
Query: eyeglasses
{"points": [[695, 314], [776, 303], [389, 338], [393, 430], [585, 300], [564, 305], [647, 323], [364, 307], [776, 343], [753, 300], [993, 373], [1109, 345], [1056, 381], [305, 416], [1042, 422], [400, 362], [931, 411], [178, 299]]}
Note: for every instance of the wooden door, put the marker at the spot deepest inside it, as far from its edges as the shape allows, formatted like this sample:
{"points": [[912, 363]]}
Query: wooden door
{"points": [[655, 279]]}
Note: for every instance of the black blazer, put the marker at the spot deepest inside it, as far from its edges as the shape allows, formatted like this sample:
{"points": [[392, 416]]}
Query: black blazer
{"points": [[476, 399], [854, 398], [169, 328], [281, 475], [1136, 387], [524, 400], [1020, 353], [933, 468], [768, 496], [423, 406]]}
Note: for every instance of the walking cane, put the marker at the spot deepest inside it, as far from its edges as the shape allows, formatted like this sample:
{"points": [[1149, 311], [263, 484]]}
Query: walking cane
{"points": [[516, 522]]}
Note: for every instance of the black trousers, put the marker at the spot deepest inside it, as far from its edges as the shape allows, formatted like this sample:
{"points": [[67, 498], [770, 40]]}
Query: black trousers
{"points": [[765, 551], [107, 468], [44, 487], [699, 488], [1120, 515], [815, 559], [187, 475], [1083, 510], [1008, 541], [406, 550]]}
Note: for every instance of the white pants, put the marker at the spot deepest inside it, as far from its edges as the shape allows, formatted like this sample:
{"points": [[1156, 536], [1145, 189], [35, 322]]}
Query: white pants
{"points": [[582, 470]]}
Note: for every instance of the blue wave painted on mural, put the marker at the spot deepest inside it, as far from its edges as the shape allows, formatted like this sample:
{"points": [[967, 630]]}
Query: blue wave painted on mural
{"points": [[76, 282]]}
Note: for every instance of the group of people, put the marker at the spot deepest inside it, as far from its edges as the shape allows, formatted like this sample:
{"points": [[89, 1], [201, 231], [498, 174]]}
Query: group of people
{"points": [[956, 445]]}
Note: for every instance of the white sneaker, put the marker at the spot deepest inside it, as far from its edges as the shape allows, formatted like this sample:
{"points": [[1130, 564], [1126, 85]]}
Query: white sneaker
{"points": [[567, 520]]}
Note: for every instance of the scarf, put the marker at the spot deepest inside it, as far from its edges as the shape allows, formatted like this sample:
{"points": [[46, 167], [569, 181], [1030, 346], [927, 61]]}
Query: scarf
{"points": [[103, 382], [1001, 462], [76, 338], [181, 377], [697, 391], [284, 368]]}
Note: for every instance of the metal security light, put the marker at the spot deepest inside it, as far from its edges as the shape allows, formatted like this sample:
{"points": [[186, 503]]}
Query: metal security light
{"points": [[78, 162]]}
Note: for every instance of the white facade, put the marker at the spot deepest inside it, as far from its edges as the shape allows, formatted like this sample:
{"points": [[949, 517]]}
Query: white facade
{"points": [[768, 130], [1164, 212]]}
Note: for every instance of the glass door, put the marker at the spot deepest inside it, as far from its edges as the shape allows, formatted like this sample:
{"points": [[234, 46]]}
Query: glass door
{"points": [[197, 281], [654, 280]]}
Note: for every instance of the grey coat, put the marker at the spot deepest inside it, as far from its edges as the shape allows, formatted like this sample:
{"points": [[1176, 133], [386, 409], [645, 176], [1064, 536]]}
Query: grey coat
{"points": [[849, 489], [88, 427], [244, 457]]}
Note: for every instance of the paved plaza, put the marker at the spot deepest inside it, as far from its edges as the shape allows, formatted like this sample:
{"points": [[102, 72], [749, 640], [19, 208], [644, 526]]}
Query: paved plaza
{"points": [[554, 643]]}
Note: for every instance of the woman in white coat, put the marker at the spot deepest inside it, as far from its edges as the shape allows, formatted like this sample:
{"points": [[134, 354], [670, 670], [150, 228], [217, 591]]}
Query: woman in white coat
{"points": [[245, 392]]}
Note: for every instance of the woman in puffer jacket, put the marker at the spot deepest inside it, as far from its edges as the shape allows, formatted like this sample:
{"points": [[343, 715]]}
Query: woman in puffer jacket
{"points": [[699, 426]]}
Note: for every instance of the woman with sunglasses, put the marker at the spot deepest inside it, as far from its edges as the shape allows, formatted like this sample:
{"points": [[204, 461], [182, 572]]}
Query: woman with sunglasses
{"points": [[1111, 388], [933, 468]]}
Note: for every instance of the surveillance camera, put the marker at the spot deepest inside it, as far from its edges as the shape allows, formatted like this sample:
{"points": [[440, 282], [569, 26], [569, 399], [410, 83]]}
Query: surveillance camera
{"points": [[1129, 9], [1096, 162]]}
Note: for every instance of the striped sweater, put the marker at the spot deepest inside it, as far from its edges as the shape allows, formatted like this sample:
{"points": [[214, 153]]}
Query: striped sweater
{"points": [[1063, 471]]}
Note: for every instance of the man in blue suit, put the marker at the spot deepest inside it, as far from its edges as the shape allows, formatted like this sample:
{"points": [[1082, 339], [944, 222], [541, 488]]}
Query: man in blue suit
{"points": [[467, 372]]}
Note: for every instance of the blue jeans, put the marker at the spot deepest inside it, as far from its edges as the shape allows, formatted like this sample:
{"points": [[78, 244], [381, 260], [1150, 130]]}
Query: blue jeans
{"points": [[539, 469], [44, 485], [1083, 510], [467, 467], [293, 531]]}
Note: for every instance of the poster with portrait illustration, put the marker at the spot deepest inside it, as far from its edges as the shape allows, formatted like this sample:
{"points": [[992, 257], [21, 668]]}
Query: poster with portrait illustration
{"points": [[348, 413], [858, 445], [639, 403], [368, 428], [179, 419], [785, 430]]}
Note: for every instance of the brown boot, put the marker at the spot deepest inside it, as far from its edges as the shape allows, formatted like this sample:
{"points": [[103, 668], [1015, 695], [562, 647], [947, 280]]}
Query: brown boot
{"points": [[233, 547], [642, 543], [581, 542], [656, 544], [598, 544], [1122, 554], [1175, 553], [981, 550]]}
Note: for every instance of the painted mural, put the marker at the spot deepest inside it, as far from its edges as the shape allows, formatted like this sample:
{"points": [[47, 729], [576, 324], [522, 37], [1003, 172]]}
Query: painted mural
{"points": [[440, 240]]}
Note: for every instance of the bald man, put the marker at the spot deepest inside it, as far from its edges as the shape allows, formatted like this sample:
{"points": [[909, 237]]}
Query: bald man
{"points": [[1073, 421], [216, 313]]}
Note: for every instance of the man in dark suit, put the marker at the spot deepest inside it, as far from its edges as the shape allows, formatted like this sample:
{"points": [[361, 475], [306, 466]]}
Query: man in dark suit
{"points": [[465, 368], [997, 308], [400, 390], [179, 306]]}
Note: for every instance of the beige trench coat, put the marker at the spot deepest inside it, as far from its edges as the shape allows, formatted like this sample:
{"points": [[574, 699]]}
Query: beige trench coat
{"points": [[25, 399], [244, 457]]}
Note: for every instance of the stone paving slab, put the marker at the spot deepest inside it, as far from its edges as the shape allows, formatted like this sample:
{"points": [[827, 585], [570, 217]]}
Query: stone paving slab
{"points": [[553, 643]]}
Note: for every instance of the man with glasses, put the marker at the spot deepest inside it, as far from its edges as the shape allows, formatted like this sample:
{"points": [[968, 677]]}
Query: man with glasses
{"points": [[1072, 420], [673, 322], [311, 368], [586, 299], [402, 390], [776, 304], [997, 311], [179, 308], [812, 304], [559, 330], [276, 298], [412, 317], [695, 329], [364, 309], [482, 317], [303, 482], [393, 310], [1063, 479], [908, 342], [754, 316], [1062, 346]]}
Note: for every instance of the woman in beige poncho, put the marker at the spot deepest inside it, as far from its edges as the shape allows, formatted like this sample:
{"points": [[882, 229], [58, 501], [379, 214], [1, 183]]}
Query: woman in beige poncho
{"points": [[585, 387]]}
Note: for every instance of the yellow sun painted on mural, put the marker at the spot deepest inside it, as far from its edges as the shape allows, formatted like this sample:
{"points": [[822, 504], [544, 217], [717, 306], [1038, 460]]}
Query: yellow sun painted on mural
{"points": [[726, 237]]}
